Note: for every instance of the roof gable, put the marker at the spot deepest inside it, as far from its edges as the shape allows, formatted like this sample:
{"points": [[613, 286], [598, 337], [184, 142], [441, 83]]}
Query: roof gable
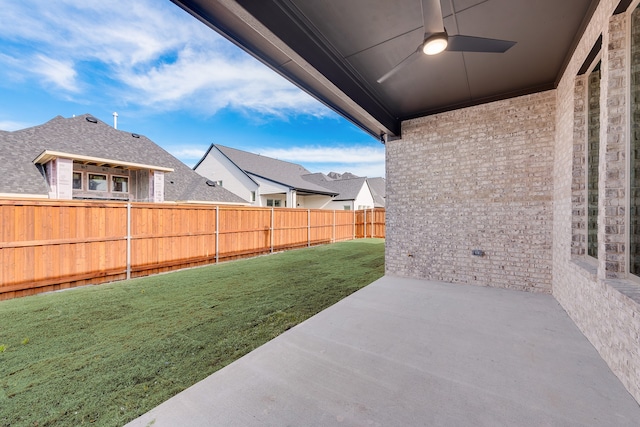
{"points": [[214, 152], [278, 171]]}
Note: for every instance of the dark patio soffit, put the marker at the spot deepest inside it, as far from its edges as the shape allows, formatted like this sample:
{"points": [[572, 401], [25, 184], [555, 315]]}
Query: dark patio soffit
{"points": [[327, 79], [279, 35]]}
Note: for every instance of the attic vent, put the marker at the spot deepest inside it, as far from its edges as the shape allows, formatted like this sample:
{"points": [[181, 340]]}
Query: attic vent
{"points": [[211, 183], [92, 119], [135, 135]]}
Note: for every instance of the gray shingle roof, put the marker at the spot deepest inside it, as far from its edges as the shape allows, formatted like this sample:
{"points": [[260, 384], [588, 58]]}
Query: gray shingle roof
{"points": [[346, 175], [78, 136], [378, 188], [347, 189], [279, 171]]}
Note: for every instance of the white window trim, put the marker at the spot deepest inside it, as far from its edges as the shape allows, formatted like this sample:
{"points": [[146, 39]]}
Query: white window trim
{"points": [[106, 177], [82, 181], [112, 190]]}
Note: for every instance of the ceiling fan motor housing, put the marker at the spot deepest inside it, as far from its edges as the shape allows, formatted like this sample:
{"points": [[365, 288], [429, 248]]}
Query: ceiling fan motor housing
{"points": [[435, 43]]}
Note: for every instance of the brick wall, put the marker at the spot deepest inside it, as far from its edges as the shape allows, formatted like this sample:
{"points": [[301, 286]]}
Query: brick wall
{"points": [[476, 178], [510, 178], [599, 296]]}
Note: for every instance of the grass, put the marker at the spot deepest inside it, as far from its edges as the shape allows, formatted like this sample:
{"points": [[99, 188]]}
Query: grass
{"points": [[103, 355]]}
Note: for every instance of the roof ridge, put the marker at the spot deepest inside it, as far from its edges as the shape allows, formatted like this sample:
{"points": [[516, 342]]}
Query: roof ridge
{"points": [[263, 156]]}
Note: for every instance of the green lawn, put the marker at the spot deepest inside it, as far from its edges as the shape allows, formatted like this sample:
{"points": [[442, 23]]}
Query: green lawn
{"points": [[103, 355]]}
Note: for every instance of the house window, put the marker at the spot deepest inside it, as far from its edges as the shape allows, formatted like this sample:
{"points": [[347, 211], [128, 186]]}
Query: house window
{"points": [[593, 154], [274, 203], [97, 182], [585, 192], [347, 207], [119, 184], [253, 196], [77, 180]]}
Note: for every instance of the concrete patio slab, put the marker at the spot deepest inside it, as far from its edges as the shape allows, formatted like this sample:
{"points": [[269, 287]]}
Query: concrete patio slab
{"points": [[405, 352]]}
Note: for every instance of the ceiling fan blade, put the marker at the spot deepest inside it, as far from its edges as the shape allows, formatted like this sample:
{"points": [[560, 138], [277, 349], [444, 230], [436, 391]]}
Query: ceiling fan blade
{"points": [[406, 61], [432, 17], [478, 44]]}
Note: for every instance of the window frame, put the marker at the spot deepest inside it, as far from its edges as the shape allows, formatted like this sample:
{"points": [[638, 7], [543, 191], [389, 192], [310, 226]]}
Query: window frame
{"points": [[633, 7], [580, 162], [81, 180], [106, 178], [112, 184], [597, 62]]}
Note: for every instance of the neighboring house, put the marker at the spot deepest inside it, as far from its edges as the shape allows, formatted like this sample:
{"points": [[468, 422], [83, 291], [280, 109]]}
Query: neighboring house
{"points": [[266, 181], [353, 193], [84, 158]]}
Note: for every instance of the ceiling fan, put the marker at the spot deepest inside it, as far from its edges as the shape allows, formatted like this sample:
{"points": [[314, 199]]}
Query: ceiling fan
{"points": [[436, 39]]}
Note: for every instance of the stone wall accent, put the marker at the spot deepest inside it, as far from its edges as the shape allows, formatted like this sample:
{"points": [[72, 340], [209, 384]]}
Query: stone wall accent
{"points": [[479, 178]]}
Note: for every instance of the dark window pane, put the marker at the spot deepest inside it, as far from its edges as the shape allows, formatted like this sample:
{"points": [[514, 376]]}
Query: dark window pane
{"points": [[593, 152]]}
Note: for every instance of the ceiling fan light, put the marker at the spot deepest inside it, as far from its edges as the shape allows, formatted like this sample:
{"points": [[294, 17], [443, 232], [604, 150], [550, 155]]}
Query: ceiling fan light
{"points": [[435, 44]]}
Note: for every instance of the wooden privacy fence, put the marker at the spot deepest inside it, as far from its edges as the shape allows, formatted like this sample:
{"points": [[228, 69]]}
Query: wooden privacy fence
{"points": [[50, 245]]}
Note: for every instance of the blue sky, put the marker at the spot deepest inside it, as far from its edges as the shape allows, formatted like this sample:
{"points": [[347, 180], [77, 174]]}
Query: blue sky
{"points": [[168, 77]]}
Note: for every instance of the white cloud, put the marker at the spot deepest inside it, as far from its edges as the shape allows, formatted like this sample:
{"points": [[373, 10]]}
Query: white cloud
{"points": [[369, 170], [214, 84], [10, 125], [187, 155], [350, 155], [159, 57], [60, 73], [359, 160]]}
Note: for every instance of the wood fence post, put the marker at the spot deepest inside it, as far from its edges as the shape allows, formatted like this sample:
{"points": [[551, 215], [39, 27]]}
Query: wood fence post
{"points": [[364, 224], [128, 240], [271, 231], [354, 225], [308, 227], [217, 233], [372, 224], [333, 230]]}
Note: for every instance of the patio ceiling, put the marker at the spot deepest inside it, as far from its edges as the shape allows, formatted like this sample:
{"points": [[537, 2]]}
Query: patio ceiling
{"points": [[336, 50]]}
